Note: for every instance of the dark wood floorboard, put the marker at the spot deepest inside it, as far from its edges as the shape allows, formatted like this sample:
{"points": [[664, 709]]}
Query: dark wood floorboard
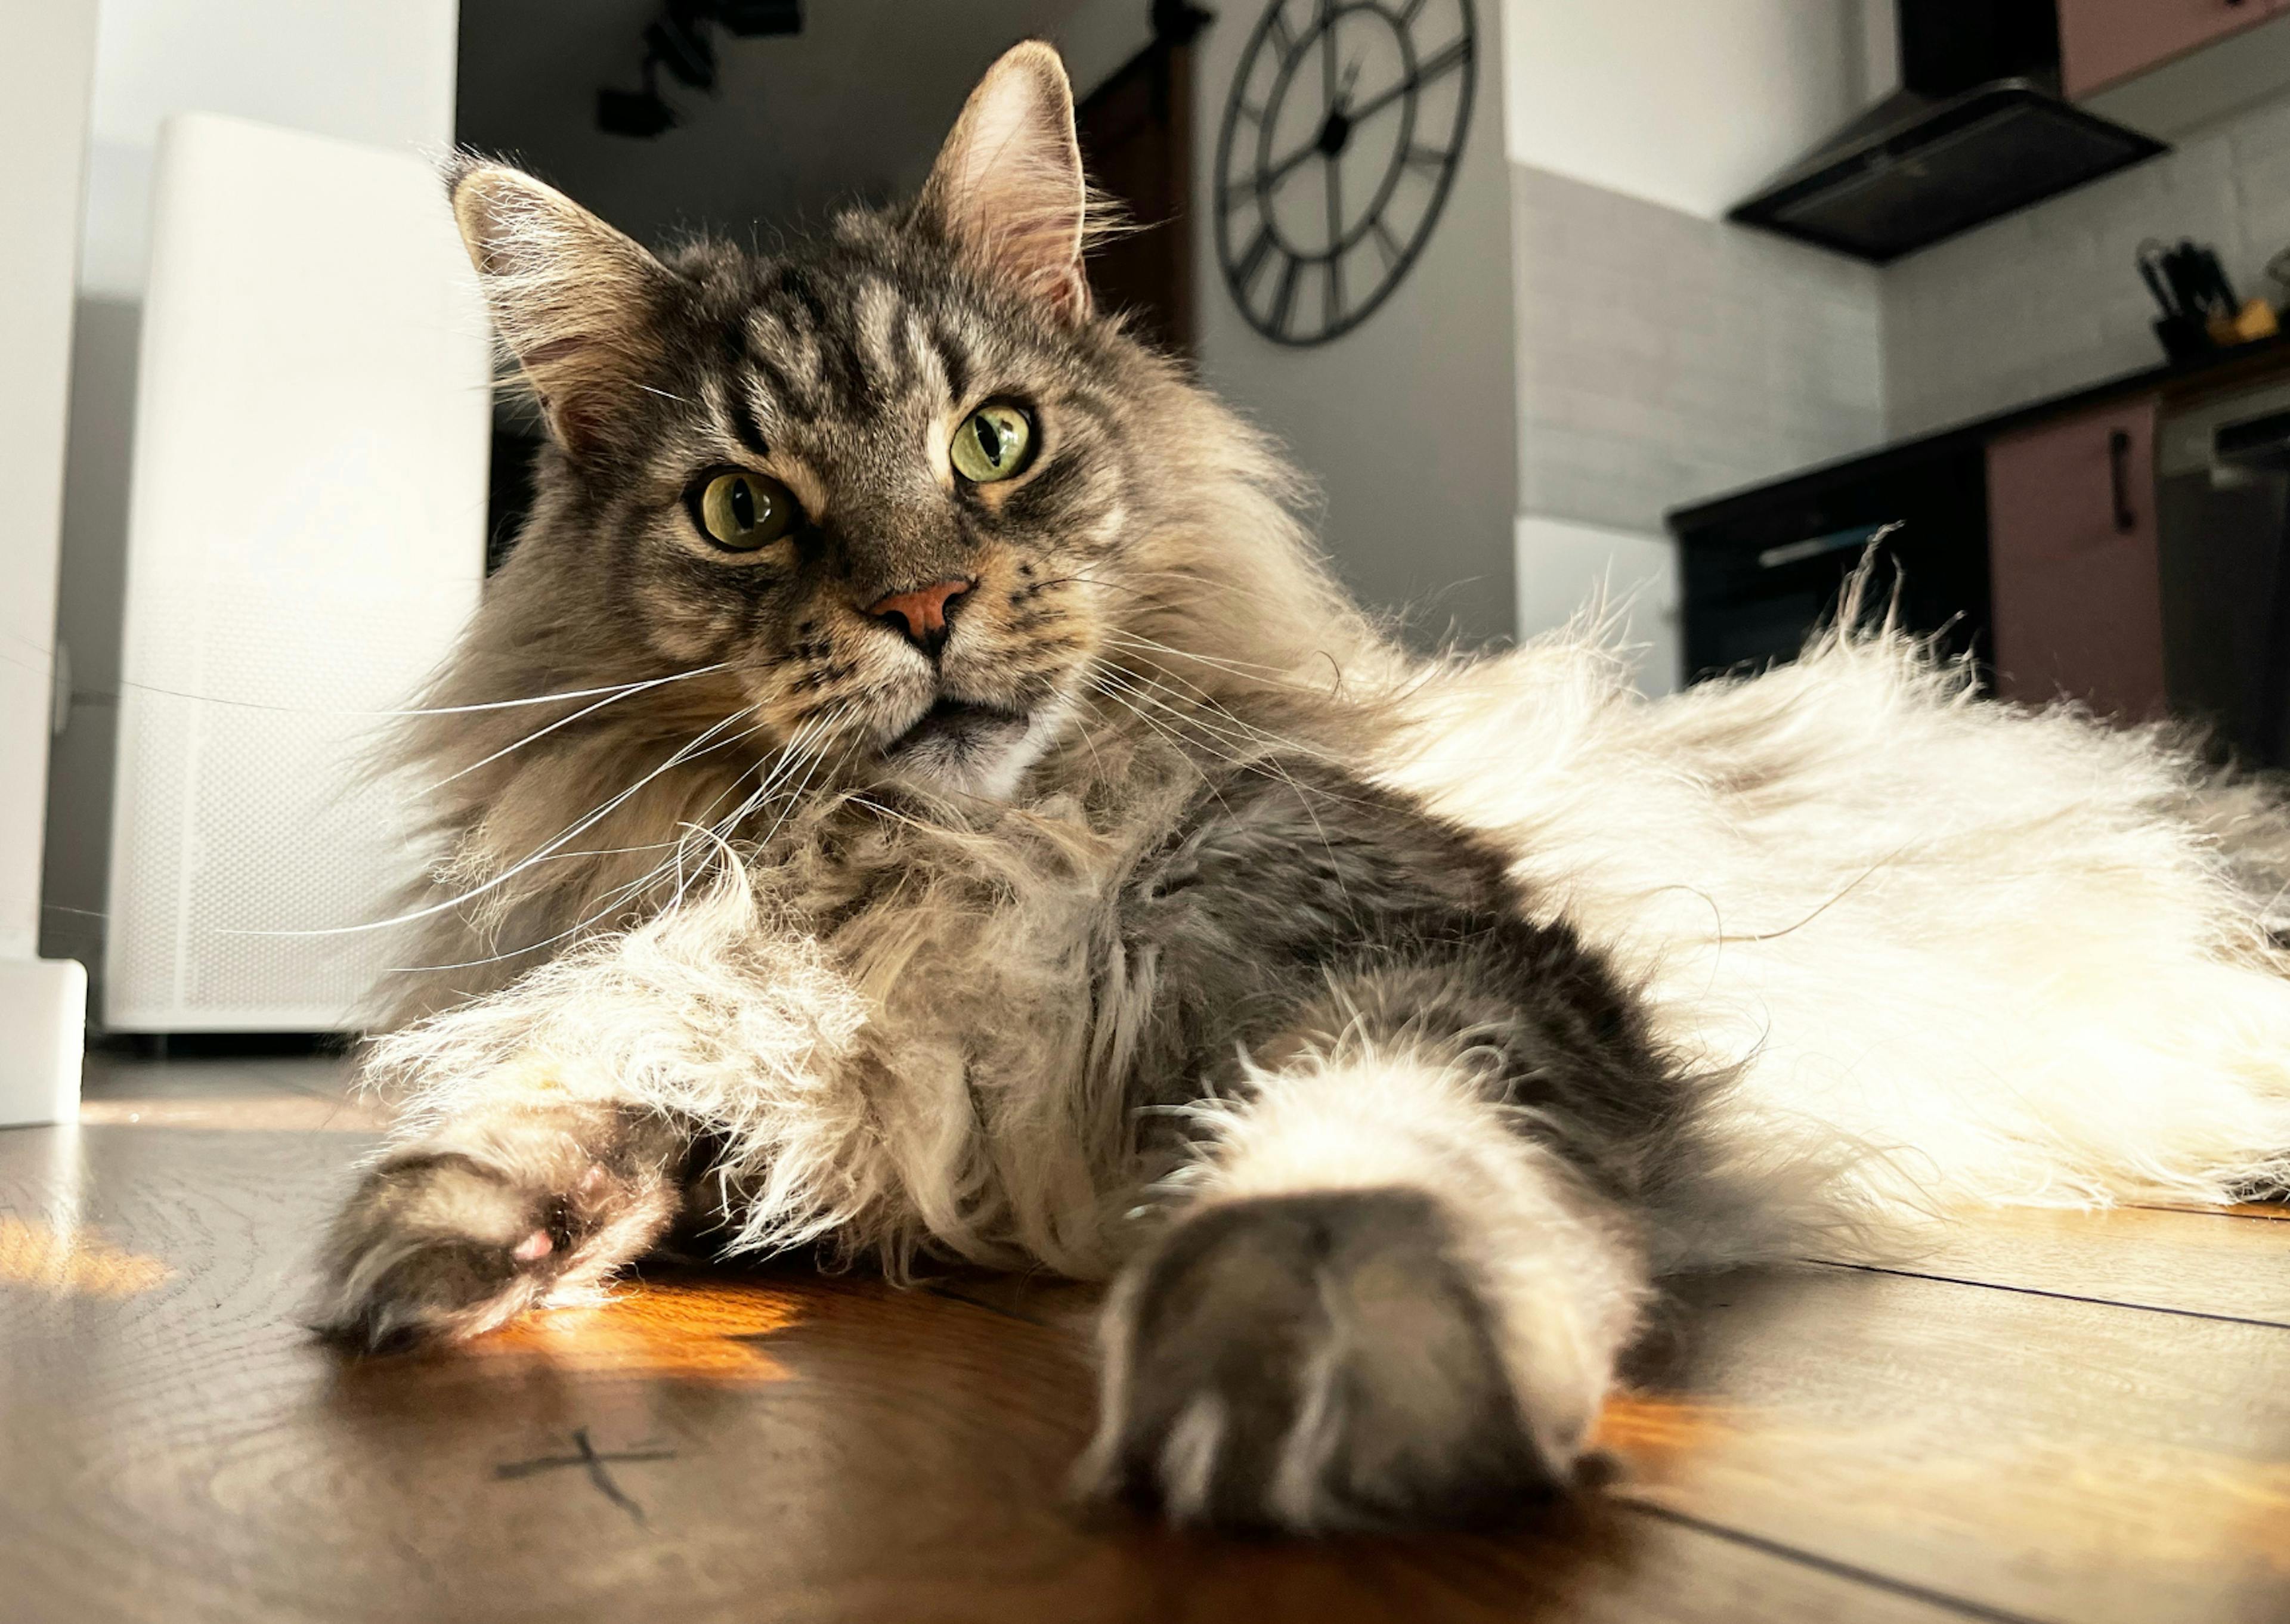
{"points": [[2039, 1456], [1810, 1444]]}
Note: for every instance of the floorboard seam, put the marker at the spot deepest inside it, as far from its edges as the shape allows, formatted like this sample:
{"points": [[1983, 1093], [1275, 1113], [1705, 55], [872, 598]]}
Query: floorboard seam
{"points": [[991, 1308], [2248, 1218], [2037, 1290], [1829, 1564]]}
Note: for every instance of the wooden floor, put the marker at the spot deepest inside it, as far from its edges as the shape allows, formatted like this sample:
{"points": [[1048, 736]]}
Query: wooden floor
{"points": [[2059, 1416]]}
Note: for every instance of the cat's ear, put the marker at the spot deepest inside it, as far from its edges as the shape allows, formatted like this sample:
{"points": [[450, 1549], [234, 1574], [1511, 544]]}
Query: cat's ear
{"points": [[579, 304], [1007, 191]]}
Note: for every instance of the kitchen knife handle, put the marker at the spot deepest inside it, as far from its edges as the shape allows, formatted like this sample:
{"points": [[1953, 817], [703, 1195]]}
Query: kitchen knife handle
{"points": [[2119, 471]]}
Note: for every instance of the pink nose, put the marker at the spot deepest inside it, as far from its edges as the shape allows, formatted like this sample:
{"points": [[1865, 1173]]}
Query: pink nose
{"points": [[924, 610]]}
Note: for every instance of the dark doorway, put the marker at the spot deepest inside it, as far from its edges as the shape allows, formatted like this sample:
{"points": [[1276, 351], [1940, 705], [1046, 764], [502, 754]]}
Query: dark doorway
{"points": [[1135, 134]]}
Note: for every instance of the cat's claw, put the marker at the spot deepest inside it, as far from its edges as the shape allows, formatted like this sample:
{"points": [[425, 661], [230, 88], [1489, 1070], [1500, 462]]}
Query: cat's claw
{"points": [[1310, 1363]]}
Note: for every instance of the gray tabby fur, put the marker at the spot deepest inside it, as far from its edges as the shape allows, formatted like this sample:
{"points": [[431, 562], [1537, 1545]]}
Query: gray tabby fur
{"points": [[1186, 901]]}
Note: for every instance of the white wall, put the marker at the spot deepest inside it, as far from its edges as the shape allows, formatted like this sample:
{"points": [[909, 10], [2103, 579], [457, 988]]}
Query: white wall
{"points": [[1686, 103], [1662, 355], [2047, 300], [1407, 421], [380, 72], [376, 71], [1628, 581]]}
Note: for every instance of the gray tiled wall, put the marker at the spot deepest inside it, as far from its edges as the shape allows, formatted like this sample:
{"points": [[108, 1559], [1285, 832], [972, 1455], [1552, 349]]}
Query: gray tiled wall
{"points": [[2048, 299], [1664, 357]]}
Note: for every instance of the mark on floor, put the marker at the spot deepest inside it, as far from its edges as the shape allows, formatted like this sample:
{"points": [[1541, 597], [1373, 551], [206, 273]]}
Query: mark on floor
{"points": [[590, 1456]]}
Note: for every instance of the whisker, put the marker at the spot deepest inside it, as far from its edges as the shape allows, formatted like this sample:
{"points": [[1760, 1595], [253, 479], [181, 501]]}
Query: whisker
{"points": [[795, 798], [613, 901], [621, 897], [1252, 668], [587, 821], [1185, 746], [1235, 729], [1186, 715], [418, 710], [1290, 680], [1270, 762], [566, 721]]}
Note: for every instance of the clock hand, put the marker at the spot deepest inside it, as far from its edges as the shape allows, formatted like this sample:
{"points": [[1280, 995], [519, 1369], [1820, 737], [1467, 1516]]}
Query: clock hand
{"points": [[1319, 143], [1456, 53], [1280, 172], [1453, 56]]}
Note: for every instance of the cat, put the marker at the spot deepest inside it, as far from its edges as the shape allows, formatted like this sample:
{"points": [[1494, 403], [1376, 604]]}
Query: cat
{"points": [[914, 793]]}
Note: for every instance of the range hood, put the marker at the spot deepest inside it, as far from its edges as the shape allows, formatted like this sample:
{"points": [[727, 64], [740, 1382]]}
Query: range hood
{"points": [[1976, 129]]}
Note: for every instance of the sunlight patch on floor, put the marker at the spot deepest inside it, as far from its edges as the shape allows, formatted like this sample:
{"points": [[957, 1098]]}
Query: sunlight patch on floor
{"points": [[707, 1332], [69, 1262], [251, 1113]]}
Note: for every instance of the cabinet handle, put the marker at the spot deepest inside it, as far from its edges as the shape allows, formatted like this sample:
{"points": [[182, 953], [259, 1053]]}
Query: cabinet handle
{"points": [[2119, 471]]}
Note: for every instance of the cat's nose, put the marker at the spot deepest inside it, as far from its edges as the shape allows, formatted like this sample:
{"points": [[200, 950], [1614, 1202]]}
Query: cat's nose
{"points": [[923, 613]]}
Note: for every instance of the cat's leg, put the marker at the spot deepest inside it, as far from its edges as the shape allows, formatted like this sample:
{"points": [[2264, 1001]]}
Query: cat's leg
{"points": [[550, 1139], [1395, 1289]]}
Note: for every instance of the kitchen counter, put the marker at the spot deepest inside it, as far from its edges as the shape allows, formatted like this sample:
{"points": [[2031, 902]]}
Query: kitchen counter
{"points": [[2048, 544], [1808, 490]]}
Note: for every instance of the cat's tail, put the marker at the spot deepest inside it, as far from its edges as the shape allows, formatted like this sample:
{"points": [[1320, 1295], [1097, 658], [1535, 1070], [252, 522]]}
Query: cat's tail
{"points": [[1944, 950]]}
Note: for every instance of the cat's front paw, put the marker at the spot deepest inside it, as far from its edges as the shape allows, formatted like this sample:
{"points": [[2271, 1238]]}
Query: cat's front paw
{"points": [[453, 1236], [1309, 1362]]}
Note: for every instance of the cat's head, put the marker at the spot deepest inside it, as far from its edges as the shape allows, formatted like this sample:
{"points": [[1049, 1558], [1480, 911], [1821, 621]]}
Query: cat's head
{"points": [[919, 500]]}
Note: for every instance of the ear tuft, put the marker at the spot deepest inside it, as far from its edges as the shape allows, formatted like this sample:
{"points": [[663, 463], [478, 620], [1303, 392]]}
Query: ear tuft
{"points": [[576, 302], [1007, 190]]}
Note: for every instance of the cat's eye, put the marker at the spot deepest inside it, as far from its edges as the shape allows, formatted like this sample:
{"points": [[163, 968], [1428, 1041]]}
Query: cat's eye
{"points": [[745, 512], [993, 443]]}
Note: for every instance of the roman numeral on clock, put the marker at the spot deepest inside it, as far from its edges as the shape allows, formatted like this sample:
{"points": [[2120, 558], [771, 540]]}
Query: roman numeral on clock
{"points": [[1276, 29], [1284, 303], [1252, 258]]}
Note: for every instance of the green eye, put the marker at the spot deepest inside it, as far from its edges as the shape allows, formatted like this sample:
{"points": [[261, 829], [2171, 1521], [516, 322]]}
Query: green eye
{"points": [[992, 443], [745, 512]]}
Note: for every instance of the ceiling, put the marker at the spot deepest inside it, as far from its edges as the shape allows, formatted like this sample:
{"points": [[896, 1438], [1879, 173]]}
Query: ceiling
{"points": [[855, 106]]}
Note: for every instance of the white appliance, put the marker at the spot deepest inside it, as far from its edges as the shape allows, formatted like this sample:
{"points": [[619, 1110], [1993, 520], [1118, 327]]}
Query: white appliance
{"points": [[305, 536]]}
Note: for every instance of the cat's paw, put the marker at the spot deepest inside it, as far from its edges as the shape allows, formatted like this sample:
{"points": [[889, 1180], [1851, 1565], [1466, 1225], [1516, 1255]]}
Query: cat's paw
{"points": [[453, 1236], [1309, 1362]]}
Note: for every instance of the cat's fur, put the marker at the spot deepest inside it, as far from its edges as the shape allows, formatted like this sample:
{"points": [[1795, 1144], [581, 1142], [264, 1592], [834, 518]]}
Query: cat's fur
{"points": [[1384, 1028]]}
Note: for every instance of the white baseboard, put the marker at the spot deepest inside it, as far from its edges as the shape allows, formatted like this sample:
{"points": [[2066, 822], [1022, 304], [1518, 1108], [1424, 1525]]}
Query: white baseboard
{"points": [[42, 1036]]}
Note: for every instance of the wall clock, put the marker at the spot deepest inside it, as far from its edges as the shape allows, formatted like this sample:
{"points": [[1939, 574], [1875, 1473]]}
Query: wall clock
{"points": [[1339, 144]]}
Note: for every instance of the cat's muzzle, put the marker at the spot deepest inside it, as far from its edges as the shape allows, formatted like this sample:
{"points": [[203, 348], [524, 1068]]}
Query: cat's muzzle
{"points": [[958, 744]]}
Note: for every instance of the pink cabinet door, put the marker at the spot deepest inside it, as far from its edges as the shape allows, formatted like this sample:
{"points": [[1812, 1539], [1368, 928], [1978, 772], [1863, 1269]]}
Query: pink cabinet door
{"points": [[2073, 564], [2102, 41]]}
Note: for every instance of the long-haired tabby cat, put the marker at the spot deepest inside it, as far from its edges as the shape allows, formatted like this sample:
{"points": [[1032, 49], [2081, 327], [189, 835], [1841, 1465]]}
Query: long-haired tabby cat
{"points": [[973, 826]]}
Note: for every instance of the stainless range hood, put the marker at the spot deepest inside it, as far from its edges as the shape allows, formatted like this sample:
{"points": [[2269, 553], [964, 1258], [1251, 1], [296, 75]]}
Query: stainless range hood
{"points": [[1977, 130]]}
